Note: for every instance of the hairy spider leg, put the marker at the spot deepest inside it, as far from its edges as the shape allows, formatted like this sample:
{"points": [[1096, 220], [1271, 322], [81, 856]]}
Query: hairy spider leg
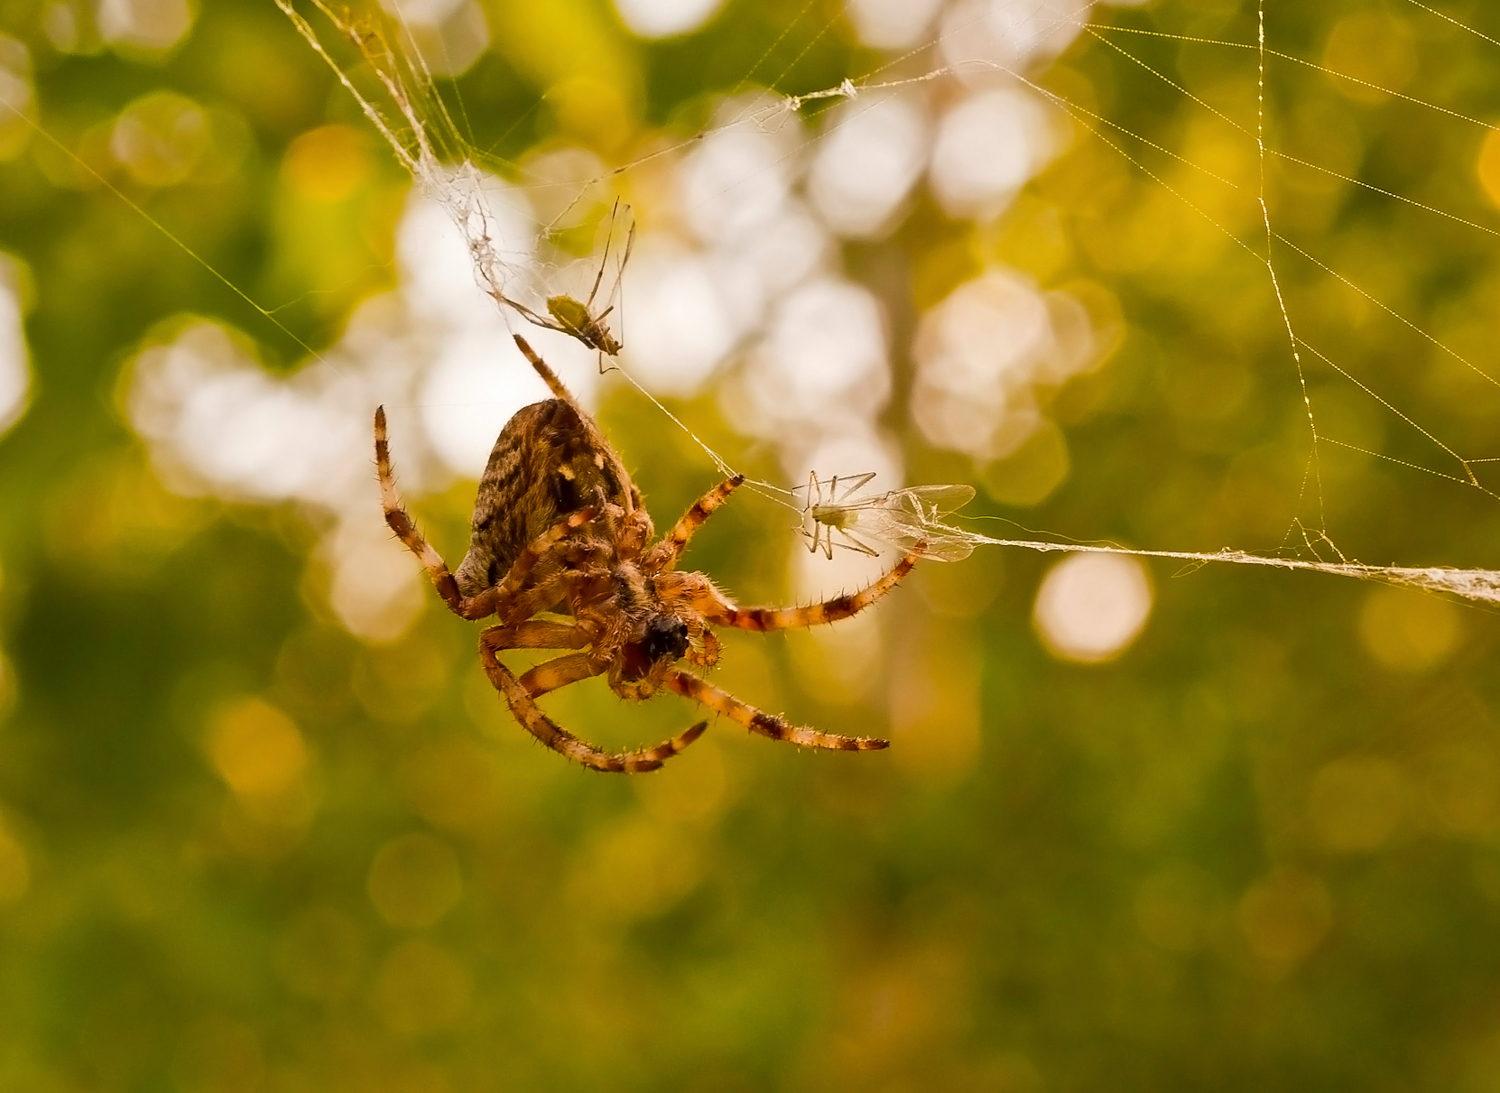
{"points": [[536, 634], [531, 717], [541, 571], [551, 675], [400, 521], [484, 603], [717, 609], [559, 672], [664, 554], [721, 701], [544, 370]]}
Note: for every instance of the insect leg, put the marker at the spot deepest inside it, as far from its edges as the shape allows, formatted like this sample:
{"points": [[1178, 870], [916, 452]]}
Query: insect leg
{"points": [[559, 672], [721, 701]]}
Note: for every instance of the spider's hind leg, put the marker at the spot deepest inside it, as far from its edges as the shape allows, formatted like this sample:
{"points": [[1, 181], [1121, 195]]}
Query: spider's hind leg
{"points": [[565, 670], [721, 701]]}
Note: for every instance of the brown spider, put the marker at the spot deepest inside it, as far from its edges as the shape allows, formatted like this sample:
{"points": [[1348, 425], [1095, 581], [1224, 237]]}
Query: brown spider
{"points": [[560, 528]]}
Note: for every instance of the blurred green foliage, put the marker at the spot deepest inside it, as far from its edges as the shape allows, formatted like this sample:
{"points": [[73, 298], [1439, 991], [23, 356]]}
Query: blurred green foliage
{"points": [[241, 850]]}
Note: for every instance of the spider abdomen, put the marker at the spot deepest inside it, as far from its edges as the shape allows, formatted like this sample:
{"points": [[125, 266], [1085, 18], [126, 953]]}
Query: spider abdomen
{"points": [[549, 461]]}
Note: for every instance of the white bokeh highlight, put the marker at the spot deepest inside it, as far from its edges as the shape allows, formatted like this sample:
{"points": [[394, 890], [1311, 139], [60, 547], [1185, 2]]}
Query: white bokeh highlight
{"points": [[736, 181], [982, 352], [450, 35], [15, 360], [1090, 607], [987, 147], [874, 152], [681, 322], [155, 25], [823, 362], [891, 24], [980, 37], [665, 18]]}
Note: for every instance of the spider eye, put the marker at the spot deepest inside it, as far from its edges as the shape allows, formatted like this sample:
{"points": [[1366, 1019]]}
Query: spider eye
{"points": [[666, 635]]}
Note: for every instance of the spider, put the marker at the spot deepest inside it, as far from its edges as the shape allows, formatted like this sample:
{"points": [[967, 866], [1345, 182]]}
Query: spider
{"points": [[560, 529]]}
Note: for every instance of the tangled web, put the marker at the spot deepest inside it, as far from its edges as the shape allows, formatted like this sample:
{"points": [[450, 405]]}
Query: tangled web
{"points": [[734, 261]]}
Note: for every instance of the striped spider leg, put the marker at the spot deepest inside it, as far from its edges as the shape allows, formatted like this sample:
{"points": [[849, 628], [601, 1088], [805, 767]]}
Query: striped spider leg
{"points": [[721, 611]]}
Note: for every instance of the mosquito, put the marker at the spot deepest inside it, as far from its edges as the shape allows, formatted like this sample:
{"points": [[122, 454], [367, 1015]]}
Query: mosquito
{"points": [[900, 518], [576, 318]]}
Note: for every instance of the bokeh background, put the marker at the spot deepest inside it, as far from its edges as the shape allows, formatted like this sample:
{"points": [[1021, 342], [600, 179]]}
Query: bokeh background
{"points": [[263, 824]]}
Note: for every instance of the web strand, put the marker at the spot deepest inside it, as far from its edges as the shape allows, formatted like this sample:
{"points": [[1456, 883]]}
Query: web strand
{"points": [[453, 186]]}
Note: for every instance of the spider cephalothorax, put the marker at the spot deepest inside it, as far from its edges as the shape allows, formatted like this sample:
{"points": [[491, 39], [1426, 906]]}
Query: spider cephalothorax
{"points": [[559, 529]]}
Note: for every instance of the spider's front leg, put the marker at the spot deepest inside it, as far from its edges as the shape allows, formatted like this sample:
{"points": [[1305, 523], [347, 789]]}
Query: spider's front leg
{"points": [[400, 521], [721, 701], [664, 554], [550, 675], [525, 572], [716, 608]]}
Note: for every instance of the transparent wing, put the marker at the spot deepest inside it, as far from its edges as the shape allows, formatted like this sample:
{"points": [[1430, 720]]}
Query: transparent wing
{"points": [[942, 543], [901, 518], [935, 501]]}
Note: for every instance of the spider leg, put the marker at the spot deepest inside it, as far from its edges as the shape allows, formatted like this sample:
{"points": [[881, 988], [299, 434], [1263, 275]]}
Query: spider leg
{"points": [[665, 553], [550, 675], [517, 580], [708, 656], [543, 370], [536, 634], [534, 721], [537, 576], [719, 610], [561, 587], [400, 521], [721, 701]]}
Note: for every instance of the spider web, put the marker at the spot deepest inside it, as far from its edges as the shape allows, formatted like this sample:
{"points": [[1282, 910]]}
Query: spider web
{"points": [[518, 223]]}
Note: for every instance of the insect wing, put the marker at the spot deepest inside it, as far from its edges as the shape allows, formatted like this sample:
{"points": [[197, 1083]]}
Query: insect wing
{"points": [[898, 528], [951, 546], [901, 518], [931, 502]]}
